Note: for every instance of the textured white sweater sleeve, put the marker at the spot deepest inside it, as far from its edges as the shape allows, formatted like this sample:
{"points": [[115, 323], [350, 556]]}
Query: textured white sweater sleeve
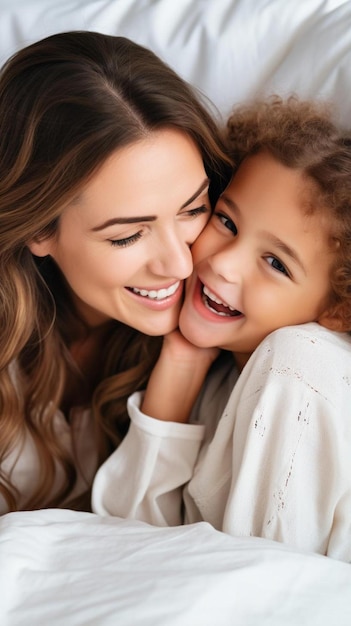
{"points": [[135, 481]]}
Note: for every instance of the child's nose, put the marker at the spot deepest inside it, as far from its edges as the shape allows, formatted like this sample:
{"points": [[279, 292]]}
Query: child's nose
{"points": [[231, 263]]}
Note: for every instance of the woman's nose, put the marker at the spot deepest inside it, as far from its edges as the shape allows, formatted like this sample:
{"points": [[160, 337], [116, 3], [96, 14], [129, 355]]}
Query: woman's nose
{"points": [[172, 258]]}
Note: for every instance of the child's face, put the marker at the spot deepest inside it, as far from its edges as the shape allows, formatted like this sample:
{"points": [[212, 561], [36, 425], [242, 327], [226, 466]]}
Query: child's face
{"points": [[261, 263]]}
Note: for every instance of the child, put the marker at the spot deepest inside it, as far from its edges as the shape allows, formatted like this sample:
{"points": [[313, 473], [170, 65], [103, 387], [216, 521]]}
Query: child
{"points": [[275, 459]]}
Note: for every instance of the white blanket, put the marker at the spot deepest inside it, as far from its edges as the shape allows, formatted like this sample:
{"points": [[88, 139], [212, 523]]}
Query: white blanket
{"points": [[62, 568]]}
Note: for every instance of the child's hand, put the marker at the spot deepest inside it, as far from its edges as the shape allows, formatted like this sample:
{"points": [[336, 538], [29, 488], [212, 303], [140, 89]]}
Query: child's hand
{"points": [[179, 350], [177, 378]]}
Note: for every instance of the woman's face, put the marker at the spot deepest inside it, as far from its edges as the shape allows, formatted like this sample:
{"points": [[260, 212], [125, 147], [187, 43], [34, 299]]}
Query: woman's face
{"points": [[124, 244], [261, 262]]}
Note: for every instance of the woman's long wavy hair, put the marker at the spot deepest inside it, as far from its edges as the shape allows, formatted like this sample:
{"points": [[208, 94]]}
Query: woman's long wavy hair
{"points": [[66, 103], [305, 136]]}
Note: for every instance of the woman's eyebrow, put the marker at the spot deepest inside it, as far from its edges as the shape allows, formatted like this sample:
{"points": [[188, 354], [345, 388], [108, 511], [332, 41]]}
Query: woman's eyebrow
{"points": [[148, 218], [205, 183], [125, 220]]}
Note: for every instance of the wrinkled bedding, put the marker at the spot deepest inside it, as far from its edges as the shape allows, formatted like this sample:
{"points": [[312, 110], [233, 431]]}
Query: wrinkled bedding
{"points": [[230, 49], [67, 568]]}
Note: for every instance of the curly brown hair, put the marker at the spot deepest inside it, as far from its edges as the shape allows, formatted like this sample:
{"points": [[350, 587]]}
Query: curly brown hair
{"points": [[304, 135]]}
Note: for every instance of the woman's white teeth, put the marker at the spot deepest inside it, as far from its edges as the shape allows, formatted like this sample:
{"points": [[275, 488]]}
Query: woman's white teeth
{"points": [[157, 294], [212, 296]]}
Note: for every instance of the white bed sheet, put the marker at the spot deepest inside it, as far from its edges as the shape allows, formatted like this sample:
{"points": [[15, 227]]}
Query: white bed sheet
{"points": [[230, 49], [63, 568]]}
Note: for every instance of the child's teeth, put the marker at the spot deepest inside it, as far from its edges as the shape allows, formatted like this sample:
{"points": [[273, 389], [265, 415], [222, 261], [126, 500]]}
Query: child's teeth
{"points": [[212, 296]]}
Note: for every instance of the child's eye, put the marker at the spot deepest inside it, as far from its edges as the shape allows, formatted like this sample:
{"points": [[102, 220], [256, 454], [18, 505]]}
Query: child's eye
{"points": [[277, 265], [227, 222], [126, 241]]}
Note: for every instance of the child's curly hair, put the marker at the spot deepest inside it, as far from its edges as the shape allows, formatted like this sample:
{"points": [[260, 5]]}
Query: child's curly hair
{"points": [[303, 135]]}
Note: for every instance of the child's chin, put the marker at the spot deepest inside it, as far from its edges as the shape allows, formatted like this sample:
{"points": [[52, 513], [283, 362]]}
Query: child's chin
{"points": [[192, 334]]}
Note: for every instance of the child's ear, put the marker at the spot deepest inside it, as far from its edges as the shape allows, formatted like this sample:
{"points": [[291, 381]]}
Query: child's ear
{"points": [[334, 318]]}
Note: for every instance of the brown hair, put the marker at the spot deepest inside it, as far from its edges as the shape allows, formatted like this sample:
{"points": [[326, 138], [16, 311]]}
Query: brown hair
{"points": [[66, 103], [304, 135]]}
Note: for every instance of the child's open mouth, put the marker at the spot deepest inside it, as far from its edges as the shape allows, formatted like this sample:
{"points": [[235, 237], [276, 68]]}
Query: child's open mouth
{"points": [[216, 305]]}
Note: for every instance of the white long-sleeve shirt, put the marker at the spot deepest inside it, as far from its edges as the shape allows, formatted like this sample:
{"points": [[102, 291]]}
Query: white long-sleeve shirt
{"points": [[273, 461]]}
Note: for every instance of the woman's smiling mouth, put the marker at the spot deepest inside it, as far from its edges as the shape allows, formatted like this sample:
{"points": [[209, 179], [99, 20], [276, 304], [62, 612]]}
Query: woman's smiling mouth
{"points": [[156, 294]]}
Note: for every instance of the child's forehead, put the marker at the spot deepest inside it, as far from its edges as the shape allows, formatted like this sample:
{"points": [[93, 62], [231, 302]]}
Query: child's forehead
{"points": [[318, 206], [263, 181]]}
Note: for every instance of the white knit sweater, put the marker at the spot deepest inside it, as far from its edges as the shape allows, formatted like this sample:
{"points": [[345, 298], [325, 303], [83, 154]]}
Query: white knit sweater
{"points": [[274, 461]]}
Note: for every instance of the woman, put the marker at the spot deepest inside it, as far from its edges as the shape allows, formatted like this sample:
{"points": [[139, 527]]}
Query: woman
{"points": [[106, 158]]}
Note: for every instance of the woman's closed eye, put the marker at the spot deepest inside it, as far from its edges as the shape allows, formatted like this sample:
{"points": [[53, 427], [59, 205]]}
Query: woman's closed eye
{"points": [[277, 265], [126, 241], [200, 210]]}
